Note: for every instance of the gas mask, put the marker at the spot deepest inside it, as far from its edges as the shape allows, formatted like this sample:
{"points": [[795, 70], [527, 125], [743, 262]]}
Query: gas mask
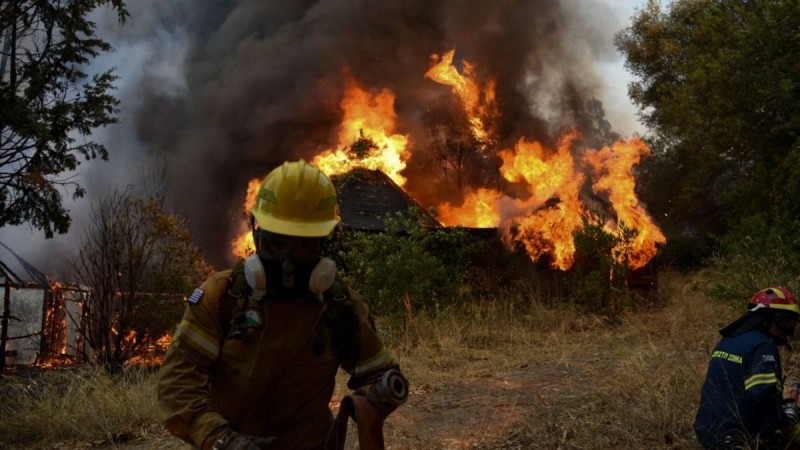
{"points": [[288, 267]]}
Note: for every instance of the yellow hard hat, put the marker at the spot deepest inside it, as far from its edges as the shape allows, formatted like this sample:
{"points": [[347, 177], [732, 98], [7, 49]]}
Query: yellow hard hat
{"points": [[297, 199]]}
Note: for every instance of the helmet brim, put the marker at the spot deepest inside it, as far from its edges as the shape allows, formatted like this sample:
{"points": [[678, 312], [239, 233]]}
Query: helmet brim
{"points": [[295, 227]]}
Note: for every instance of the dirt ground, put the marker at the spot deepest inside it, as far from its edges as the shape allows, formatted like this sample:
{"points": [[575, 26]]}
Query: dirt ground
{"points": [[486, 412]]}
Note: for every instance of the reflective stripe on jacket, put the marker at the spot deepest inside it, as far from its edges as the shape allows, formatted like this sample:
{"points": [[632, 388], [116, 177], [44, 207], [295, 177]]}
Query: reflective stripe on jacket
{"points": [[276, 381], [741, 396]]}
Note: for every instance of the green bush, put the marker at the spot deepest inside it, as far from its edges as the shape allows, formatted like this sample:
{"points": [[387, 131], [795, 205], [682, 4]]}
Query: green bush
{"points": [[754, 256], [429, 265], [600, 271]]}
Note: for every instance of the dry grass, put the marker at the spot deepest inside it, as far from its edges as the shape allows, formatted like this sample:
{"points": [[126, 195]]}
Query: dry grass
{"points": [[629, 383], [83, 405], [585, 382]]}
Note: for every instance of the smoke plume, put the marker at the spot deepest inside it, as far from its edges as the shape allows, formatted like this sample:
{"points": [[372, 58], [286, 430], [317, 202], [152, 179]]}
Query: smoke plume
{"points": [[226, 90]]}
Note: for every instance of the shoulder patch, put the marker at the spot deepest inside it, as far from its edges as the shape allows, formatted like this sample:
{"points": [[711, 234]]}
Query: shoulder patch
{"points": [[767, 358], [196, 296]]}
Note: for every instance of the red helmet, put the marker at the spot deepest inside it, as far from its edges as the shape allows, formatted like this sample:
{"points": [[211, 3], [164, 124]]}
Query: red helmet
{"points": [[777, 298]]}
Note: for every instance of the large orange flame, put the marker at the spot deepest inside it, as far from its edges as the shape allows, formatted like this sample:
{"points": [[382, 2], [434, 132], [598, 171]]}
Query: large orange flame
{"points": [[480, 210], [545, 175], [369, 121], [243, 245], [478, 102], [548, 229], [543, 207], [614, 165]]}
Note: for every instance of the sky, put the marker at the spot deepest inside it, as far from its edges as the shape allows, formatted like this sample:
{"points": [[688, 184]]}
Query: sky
{"points": [[620, 110], [138, 66]]}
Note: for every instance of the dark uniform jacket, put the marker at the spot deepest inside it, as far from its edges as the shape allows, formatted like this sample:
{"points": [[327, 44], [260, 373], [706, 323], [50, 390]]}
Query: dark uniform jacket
{"points": [[274, 379], [741, 396]]}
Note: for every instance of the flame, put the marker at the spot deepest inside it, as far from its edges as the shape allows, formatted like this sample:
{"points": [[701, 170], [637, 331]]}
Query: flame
{"points": [[615, 167], [479, 104], [243, 246], [545, 219], [540, 208], [369, 123], [545, 216], [548, 175], [544, 172], [480, 210], [545, 175], [152, 352], [164, 341]]}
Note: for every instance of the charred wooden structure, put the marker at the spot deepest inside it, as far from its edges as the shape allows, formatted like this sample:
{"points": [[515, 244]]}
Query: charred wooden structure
{"points": [[367, 197]]}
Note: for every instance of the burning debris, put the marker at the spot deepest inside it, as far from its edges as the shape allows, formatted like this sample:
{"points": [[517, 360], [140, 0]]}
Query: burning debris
{"points": [[367, 119]]}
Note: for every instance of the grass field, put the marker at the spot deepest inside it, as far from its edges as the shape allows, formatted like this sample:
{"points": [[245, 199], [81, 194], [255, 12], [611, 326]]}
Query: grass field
{"points": [[630, 382]]}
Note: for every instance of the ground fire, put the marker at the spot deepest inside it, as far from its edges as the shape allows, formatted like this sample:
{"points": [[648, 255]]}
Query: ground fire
{"points": [[545, 193]]}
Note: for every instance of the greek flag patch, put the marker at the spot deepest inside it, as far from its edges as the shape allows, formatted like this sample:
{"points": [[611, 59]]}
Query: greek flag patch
{"points": [[196, 296]]}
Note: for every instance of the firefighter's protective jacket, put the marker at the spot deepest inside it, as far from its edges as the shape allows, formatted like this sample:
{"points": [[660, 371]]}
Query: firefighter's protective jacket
{"points": [[741, 396], [273, 379]]}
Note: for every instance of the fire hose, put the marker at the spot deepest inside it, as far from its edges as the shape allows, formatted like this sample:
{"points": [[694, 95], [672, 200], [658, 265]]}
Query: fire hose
{"points": [[791, 413], [369, 407], [790, 406]]}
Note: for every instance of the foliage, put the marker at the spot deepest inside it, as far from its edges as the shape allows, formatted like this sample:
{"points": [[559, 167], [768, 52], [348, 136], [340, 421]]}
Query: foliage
{"points": [[754, 257], [427, 264], [600, 269], [137, 260], [361, 147], [356, 175], [49, 105], [717, 84]]}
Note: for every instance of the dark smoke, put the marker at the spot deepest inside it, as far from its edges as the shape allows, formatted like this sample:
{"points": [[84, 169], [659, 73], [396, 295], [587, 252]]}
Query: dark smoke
{"points": [[225, 90], [264, 80]]}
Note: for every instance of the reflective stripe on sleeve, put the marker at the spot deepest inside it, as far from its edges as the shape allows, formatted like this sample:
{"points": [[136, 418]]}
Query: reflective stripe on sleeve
{"points": [[759, 379], [196, 338], [381, 359]]}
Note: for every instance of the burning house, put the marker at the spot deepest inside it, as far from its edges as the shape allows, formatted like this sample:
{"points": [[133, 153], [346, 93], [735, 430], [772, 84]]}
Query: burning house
{"points": [[534, 194], [367, 197], [483, 111], [41, 320], [537, 197]]}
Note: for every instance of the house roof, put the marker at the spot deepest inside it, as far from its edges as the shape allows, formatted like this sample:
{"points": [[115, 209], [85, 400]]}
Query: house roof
{"points": [[367, 196], [16, 271]]}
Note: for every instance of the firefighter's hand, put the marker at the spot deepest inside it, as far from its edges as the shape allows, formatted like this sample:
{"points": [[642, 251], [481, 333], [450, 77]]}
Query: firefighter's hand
{"points": [[791, 412], [232, 440]]}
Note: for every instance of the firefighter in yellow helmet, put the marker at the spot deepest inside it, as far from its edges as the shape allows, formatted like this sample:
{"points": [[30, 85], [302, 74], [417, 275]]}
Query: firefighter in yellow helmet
{"points": [[253, 362]]}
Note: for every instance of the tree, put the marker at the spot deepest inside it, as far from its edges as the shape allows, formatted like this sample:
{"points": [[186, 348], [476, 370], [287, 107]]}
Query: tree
{"points": [[458, 161], [50, 106], [717, 83], [137, 261]]}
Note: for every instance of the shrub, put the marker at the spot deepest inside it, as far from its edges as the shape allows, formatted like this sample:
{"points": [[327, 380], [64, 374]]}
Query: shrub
{"points": [[754, 256], [428, 265], [600, 270]]}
